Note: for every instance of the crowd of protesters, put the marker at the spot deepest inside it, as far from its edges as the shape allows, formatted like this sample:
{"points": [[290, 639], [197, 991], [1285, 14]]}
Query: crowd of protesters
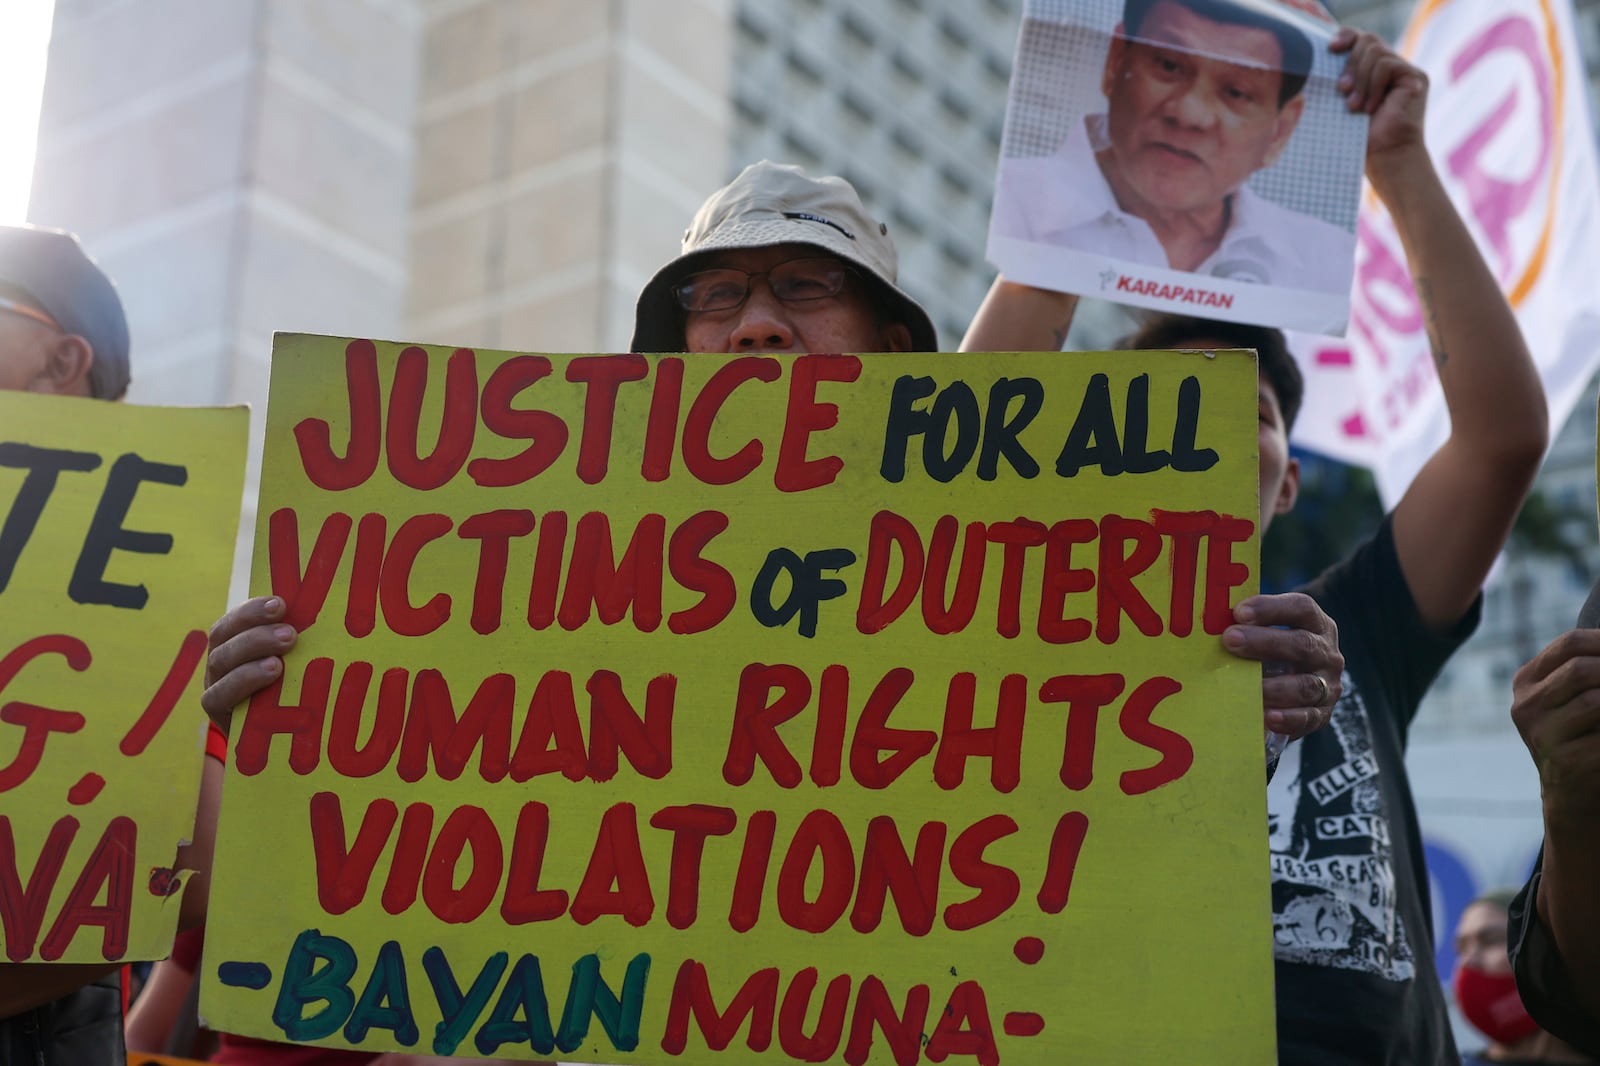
{"points": [[779, 261]]}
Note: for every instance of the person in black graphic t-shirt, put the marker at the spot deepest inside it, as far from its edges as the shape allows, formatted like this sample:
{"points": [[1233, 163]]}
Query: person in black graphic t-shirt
{"points": [[1352, 929]]}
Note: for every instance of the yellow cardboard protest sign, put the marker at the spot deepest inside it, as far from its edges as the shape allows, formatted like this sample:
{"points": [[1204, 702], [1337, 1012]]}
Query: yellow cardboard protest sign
{"points": [[757, 709], [115, 554]]}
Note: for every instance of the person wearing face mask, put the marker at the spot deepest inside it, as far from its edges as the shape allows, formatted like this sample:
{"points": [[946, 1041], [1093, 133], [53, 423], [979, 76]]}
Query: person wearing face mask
{"points": [[1486, 991]]}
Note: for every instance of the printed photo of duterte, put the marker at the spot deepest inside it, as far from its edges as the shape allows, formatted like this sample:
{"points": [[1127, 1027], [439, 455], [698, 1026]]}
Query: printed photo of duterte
{"points": [[1199, 95]]}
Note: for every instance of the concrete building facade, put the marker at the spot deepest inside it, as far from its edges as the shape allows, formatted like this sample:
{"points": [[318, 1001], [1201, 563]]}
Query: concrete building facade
{"points": [[492, 173]]}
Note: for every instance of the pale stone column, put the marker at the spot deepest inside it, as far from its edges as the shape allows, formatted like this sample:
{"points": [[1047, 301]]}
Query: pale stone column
{"points": [[238, 167], [562, 148]]}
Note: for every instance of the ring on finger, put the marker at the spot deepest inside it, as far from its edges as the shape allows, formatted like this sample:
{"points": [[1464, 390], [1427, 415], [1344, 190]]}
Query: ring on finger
{"points": [[1324, 692]]}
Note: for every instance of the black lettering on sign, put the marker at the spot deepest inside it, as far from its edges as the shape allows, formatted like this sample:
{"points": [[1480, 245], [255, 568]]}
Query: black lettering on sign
{"points": [[106, 534], [43, 465]]}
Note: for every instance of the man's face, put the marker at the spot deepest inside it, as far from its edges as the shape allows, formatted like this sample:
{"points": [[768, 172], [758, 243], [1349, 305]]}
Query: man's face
{"points": [[1481, 939], [1193, 108], [846, 322], [1280, 471]]}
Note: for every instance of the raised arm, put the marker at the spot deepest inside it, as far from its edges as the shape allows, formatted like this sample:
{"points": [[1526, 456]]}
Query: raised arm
{"points": [[1455, 517], [1020, 318]]}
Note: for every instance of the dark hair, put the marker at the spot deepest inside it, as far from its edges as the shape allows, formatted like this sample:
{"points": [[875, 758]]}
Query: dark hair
{"points": [[1272, 353], [1295, 44]]}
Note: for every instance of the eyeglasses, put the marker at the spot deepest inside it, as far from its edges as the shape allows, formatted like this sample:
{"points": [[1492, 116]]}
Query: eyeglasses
{"points": [[796, 281], [28, 312]]}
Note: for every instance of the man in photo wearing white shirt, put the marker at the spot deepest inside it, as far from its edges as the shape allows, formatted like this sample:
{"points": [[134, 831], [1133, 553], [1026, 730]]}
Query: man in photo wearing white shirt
{"points": [[1200, 94]]}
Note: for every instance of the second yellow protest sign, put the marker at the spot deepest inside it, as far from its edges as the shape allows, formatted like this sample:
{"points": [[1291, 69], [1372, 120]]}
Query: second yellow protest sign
{"points": [[818, 708], [115, 553]]}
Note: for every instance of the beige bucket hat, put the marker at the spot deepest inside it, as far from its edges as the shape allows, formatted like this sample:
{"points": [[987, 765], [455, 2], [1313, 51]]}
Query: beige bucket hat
{"points": [[767, 204]]}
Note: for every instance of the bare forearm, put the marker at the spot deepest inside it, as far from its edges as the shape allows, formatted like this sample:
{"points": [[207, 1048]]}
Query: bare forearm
{"points": [[1567, 893], [196, 855], [1020, 318], [160, 1003], [1455, 517]]}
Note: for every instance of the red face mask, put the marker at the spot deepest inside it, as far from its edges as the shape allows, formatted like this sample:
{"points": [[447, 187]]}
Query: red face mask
{"points": [[1490, 1002]]}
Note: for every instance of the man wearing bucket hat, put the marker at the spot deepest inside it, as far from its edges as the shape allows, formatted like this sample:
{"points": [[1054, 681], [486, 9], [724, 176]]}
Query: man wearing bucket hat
{"points": [[1200, 94], [826, 273], [775, 261], [1554, 924]]}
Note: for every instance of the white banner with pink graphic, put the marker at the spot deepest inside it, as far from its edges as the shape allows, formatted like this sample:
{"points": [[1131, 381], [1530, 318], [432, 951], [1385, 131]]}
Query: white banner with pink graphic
{"points": [[1508, 126]]}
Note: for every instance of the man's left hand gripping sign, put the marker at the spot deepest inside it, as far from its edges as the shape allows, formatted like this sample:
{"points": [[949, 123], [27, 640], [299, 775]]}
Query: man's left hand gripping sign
{"points": [[117, 529]]}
